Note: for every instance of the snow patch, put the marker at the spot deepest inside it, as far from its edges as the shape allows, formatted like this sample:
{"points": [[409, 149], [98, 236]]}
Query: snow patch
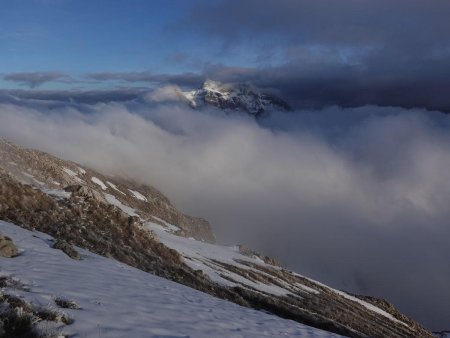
{"points": [[99, 182], [138, 195], [57, 193], [114, 201]]}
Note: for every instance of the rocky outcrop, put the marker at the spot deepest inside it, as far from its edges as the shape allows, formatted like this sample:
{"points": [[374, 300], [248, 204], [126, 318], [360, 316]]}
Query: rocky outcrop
{"points": [[250, 252], [85, 192], [7, 248], [67, 248], [243, 97]]}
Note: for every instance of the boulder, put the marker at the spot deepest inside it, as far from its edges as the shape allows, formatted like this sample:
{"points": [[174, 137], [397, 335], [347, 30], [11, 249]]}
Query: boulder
{"points": [[85, 192], [7, 248], [67, 248]]}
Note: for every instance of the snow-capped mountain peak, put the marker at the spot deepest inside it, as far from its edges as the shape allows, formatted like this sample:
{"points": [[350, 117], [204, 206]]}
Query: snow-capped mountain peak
{"points": [[240, 97]]}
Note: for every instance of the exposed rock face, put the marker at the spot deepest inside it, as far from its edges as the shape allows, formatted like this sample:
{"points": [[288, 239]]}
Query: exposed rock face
{"points": [[7, 248], [249, 252], [241, 97], [108, 216]]}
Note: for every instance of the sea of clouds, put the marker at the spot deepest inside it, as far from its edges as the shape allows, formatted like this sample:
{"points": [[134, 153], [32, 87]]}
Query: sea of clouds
{"points": [[356, 198]]}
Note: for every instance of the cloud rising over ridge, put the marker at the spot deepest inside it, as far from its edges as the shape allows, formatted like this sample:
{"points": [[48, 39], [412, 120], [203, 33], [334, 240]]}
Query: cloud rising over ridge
{"points": [[357, 198]]}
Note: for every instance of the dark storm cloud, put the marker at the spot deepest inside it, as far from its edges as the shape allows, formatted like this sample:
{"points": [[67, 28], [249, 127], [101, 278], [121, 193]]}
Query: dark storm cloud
{"points": [[184, 79], [341, 85], [327, 22], [348, 52], [36, 79]]}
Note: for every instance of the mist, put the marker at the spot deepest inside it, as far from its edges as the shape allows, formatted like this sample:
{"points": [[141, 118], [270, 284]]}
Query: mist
{"points": [[356, 198]]}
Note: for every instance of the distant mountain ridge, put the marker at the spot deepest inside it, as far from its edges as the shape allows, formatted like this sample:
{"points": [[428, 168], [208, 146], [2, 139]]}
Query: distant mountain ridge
{"points": [[240, 97]]}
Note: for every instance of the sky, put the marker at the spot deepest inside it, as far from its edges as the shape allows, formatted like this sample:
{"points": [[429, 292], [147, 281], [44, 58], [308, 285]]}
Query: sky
{"points": [[75, 38], [85, 36], [348, 53], [351, 187]]}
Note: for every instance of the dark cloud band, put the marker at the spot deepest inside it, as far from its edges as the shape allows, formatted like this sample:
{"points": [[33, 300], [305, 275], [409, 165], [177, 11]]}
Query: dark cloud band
{"points": [[36, 79]]}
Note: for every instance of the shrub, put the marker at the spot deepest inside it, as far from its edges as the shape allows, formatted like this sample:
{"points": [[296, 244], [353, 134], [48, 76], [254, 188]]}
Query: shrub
{"points": [[66, 303], [15, 324]]}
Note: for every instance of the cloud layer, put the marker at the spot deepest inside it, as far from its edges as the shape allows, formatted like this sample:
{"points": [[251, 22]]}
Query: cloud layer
{"points": [[36, 79], [357, 198]]}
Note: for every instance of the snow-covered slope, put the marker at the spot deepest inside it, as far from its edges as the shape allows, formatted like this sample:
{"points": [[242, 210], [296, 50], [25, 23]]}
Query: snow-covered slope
{"points": [[221, 264], [118, 301]]}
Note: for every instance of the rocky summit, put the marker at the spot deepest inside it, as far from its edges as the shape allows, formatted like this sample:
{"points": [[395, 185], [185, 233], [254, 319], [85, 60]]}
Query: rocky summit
{"points": [[135, 224], [239, 97]]}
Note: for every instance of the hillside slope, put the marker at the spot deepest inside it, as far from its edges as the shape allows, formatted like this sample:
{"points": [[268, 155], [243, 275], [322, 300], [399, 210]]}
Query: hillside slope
{"points": [[115, 300], [136, 225]]}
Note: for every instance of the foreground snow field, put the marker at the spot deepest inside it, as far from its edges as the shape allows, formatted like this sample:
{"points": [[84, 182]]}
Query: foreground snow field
{"points": [[118, 301]]}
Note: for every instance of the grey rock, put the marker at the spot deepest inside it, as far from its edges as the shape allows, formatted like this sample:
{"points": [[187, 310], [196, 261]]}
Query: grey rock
{"points": [[85, 192], [7, 248], [67, 248]]}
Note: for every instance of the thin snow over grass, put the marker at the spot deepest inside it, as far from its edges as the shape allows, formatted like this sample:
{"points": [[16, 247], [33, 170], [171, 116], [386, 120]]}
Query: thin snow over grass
{"points": [[33, 178], [119, 301], [369, 306], [81, 170], [112, 185], [70, 172], [169, 227]]}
